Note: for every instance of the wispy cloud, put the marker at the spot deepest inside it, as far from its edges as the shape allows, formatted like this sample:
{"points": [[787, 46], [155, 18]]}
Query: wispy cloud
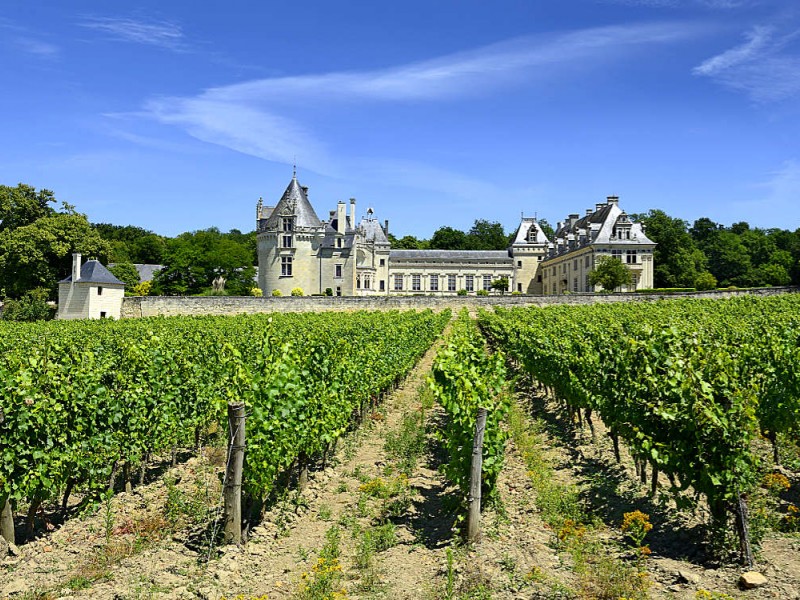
{"points": [[774, 198], [712, 4], [163, 34], [766, 66], [254, 117], [27, 40]]}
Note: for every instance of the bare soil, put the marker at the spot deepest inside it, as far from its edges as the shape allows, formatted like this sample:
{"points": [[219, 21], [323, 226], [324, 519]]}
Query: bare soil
{"points": [[127, 549]]}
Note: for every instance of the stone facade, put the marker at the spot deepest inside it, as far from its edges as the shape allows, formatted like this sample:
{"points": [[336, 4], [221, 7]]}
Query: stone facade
{"points": [[348, 258], [90, 292], [605, 231], [298, 250]]}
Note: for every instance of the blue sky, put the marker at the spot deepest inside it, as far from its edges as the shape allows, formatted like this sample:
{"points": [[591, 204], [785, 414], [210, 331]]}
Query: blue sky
{"points": [[179, 115]]}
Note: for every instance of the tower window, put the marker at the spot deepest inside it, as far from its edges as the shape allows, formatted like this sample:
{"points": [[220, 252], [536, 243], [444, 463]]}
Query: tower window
{"points": [[286, 266], [287, 241], [99, 290], [337, 271], [287, 224]]}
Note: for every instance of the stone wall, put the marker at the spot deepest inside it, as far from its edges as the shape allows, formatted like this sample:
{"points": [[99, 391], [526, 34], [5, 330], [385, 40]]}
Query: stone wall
{"points": [[150, 306]]}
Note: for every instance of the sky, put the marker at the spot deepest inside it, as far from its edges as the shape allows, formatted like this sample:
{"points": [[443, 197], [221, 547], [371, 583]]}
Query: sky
{"points": [[177, 116]]}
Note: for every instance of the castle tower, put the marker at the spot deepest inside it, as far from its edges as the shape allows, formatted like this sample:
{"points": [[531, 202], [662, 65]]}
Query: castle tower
{"points": [[528, 250], [289, 236]]}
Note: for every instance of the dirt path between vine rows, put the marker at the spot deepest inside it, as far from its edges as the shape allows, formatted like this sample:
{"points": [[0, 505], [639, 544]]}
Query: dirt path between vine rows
{"points": [[117, 552]]}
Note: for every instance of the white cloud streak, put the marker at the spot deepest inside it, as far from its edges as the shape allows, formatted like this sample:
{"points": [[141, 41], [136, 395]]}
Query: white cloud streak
{"points": [[154, 33], [761, 67], [28, 41]]}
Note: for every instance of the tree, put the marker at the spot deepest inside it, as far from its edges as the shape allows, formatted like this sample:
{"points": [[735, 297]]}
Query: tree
{"points": [[32, 306], [126, 273], [705, 281], [39, 254], [501, 285], [487, 235], [677, 260], [610, 273], [23, 205], [407, 242], [448, 238], [193, 260], [729, 260]]}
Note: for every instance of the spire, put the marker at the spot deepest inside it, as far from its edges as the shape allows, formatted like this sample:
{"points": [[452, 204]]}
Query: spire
{"points": [[294, 168]]}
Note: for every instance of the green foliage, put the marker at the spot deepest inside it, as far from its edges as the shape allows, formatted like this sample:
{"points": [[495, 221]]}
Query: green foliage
{"points": [[128, 388], [297, 291], [32, 306], [277, 293], [465, 378], [688, 384], [23, 205], [193, 260], [482, 293], [38, 254], [448, 238], [462, 292], [142, 289], [328, 291], [705, 281], [501, 284], [610, 273], [126, 273]]}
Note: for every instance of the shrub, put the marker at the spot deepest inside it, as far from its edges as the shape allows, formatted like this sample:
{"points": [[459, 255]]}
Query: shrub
{"points": [[462, 292], [482, 292], [32, 306], [516, 293], [297, 291], [328, 291], [277, 293], [705, 281], [142, 289], [256, 291]]}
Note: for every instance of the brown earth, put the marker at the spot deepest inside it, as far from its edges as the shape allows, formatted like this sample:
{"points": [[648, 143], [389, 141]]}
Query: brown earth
{"points": [[123, 550]]}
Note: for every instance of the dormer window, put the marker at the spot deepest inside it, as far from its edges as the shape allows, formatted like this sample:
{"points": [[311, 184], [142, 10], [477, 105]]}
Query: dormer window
{"points": [[287, 224]]}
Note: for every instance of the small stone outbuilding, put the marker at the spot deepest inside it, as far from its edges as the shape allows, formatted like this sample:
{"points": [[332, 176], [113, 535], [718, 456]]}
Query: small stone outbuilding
{"points": [[91, 292]]}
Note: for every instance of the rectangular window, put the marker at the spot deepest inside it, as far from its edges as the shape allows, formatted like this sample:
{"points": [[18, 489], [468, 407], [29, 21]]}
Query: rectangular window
{"points": [[383, 262], [575, 284], [451, 283], [337, 271], [338, 242], [538, 279], [398, 282], [487, 282], [416, 282], [286, 266], [382, 285], [469, 283], [519, 287], [102, 314], [575, 264], [358, 283], [287, 241], [287, 224], [433, 282], [616, 254], [588, 260], [630, 257], [519, 263], [99, 290], [539, 258], [338, 290]]}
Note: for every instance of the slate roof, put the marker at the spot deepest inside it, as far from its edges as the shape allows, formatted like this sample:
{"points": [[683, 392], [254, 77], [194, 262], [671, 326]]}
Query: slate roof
{"points": [[92, 271], [450, 255], [294, 201], [525, 226], [147, 272], [373, 232]]}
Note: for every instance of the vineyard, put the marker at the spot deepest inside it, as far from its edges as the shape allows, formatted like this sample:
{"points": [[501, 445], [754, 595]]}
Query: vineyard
{"points": [[84, 402], [688, 385], [350, 430]]}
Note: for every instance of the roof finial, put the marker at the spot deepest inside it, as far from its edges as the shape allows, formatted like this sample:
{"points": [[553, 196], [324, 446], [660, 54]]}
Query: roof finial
{"points": [[294, 168]]}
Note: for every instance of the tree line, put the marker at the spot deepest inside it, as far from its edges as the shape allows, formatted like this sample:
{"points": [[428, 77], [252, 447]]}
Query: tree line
{"points": [[37, 238]]}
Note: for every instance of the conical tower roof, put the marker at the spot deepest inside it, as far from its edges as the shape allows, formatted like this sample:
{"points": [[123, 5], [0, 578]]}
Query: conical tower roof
{"points": [[294, 202]]}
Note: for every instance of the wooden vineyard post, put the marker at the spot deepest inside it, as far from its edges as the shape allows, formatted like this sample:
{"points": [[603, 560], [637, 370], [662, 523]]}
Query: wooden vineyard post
{"points": [[7, 522], [474, 518], [233, 474]]}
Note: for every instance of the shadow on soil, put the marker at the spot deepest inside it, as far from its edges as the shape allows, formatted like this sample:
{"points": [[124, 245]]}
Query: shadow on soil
{"points": [[609, 490]]}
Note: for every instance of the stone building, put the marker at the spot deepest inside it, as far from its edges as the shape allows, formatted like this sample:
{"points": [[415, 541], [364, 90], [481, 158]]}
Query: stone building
{"points": [[296, 249], [580, 242], [90, 292]]}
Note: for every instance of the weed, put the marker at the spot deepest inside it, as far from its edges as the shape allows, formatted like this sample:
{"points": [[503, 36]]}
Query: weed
{"points": [[406, 445], [79, 582], [342, 487], [324, 581], [508, 563], [324, 513]]}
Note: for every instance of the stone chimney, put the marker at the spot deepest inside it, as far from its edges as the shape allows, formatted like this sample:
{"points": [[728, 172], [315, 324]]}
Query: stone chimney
{"points": [[612, 199], [599, 205], [589, 212], [386, 227], [76, 266], [573, 219], [353, 222], [340, 216]]}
